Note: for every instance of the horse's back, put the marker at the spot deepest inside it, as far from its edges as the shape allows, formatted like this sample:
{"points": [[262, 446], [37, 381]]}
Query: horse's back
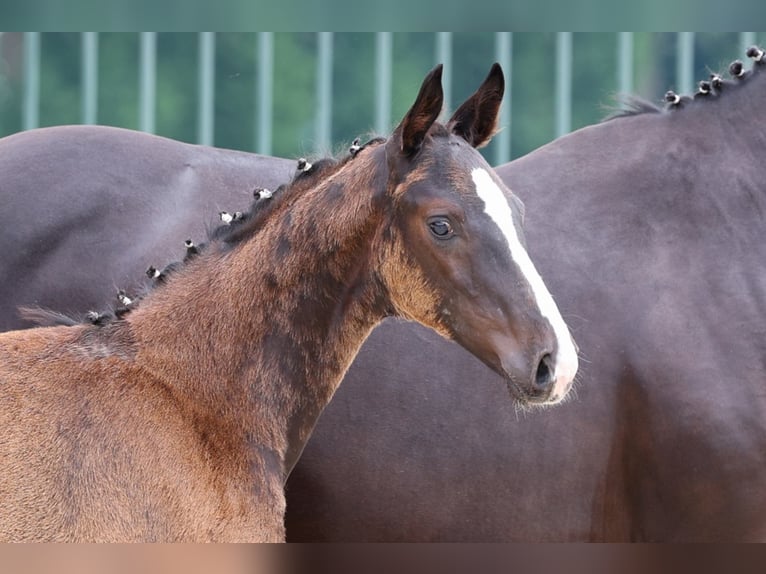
{"points": [[73, 195]]}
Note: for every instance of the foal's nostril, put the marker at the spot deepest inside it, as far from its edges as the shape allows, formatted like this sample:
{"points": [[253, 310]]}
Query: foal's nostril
{"points": [[544, 374]]}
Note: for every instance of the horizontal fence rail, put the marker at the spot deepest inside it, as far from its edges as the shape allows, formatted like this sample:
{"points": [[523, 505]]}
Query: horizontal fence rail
{"points": [[385, 64]]}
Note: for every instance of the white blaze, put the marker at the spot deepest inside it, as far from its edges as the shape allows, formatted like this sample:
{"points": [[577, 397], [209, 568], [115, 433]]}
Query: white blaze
{"points": [[496, 206]]}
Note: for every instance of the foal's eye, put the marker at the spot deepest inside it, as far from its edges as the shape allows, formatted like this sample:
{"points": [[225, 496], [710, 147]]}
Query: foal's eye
{"points": [[440, 227]]}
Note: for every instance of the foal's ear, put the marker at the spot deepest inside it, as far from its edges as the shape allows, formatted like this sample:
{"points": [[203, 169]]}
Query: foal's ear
{"points": [[476, 120], [423, 113]]}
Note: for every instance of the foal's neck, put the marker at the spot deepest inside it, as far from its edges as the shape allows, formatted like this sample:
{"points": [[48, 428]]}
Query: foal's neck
{"points": [[262, 332]]}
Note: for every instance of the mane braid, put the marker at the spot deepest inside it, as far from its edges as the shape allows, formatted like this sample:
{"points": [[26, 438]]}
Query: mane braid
{"points": [[228, 236], [303, 180], [631, 105]]}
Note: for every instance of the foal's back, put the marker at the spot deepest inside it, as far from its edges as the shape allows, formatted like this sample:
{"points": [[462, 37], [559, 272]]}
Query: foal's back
{"points": [[103, 448]]}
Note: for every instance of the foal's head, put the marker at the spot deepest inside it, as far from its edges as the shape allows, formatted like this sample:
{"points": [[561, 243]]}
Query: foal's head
{"points": [[456, 234]]}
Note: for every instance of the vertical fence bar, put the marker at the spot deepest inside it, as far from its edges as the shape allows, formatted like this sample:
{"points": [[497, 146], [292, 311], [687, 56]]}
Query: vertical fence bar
{"points": [[265, 91], [444, 56], [746, 39], [563, 83], [89, 103], [625, 62], [31, 105], [206, 88], [147, 81], [685, 62], [383, 60], [324, 92], [504, 56]]}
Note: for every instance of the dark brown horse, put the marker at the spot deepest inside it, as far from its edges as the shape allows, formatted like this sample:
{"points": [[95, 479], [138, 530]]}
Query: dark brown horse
{"points": [[180, 418], [648, 231]]}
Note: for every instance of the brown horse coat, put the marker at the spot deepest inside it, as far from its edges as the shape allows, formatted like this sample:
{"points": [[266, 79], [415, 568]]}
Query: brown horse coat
{"points": [[118, 454], [180, 419]]}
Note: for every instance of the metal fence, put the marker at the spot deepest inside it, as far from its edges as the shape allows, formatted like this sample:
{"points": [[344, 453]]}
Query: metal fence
{"points": [[383, 63]]}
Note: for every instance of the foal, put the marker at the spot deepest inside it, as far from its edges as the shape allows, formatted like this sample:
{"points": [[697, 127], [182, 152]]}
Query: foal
{"points": [[179, 420]]}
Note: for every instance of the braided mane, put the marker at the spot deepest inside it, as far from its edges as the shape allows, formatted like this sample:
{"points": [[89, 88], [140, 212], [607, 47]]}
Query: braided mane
{"points": [[235, 228], [709, 89]]}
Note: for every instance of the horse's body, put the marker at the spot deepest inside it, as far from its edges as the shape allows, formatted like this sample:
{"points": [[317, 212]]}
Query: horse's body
{"points": [[181, 417], [647, 229]]}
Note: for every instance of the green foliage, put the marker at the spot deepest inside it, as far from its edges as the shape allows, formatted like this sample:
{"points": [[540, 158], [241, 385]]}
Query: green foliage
{"points": [[118, 79], [177, 85], [294, 94]]}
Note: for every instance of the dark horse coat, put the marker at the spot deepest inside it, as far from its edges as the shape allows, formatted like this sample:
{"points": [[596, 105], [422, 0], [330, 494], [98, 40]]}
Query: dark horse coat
{"points": [[648, 230]]}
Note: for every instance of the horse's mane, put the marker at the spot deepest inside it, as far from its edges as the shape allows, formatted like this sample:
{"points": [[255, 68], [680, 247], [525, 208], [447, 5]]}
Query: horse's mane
{"points": [[244, 225], [307, 175], [627, 105], [713, 88], [235, 228]]}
